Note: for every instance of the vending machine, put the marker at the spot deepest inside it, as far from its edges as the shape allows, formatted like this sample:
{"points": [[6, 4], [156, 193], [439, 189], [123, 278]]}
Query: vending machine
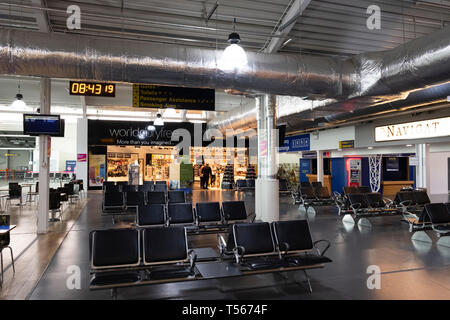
{"points": [[353, 168], [133, 173]]}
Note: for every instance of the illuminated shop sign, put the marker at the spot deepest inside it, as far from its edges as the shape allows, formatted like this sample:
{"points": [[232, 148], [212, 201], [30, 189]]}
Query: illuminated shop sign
{"points": [[414, 130]]}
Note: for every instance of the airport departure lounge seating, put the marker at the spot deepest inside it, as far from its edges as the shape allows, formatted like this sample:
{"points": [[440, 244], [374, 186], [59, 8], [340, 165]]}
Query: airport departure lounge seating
{"points": [[411, 202], [132, 257], [310, 197], [366, 205], [438, 220], [118, 257]]}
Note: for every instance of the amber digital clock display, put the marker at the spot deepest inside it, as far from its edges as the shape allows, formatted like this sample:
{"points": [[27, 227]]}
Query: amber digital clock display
{"points": [[81, 88]]}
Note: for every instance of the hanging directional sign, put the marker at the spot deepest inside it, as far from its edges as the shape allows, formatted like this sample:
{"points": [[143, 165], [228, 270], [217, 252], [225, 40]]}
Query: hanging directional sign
{"points": [[162, 97]]}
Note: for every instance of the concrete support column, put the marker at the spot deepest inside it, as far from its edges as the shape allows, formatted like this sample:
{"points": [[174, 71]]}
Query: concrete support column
{"points": [[320, 166], [82, 148], [267, 185], [422, 169], [44, 161]]}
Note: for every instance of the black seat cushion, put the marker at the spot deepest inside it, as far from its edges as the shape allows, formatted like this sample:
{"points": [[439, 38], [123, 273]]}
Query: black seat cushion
{"points": [[250, 183], [402, 196], [115, 247], [234, 210], [355, 198], [364, 189], [164, 244], [135, 198], [283, 185], [111, 187], [263, 263], [307, 193], [421, 197], [437, 212], [146, 187], [305, 184], [375, 200], [308, 260], [322, 193], [152, 214], [170, 272], [350, 190], [160, 187], [113, 199], [295, 233], [256, 238], [111, 278], [180, 213], [130, 188], [156, 197], [208, 211], [241, 183], [176, 197]]}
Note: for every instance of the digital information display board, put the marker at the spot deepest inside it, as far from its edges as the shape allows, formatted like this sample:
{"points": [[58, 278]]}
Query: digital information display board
{"points": [[162, 97], [98, 89]]}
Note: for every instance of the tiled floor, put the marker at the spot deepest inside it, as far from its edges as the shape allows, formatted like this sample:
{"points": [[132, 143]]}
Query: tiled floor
{"points": [[409, 270]]}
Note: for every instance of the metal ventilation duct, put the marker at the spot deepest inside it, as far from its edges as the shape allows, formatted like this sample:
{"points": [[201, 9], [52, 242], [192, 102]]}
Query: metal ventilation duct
{"points": [[379, 76], [82, 57]]}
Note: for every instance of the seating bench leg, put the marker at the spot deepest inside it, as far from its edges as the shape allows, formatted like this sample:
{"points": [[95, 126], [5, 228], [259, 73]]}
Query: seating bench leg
{"points": [[348, 219], [313, 212], [114, 293], [364, 222], [421, 236], [309, 281], [444, 241]]}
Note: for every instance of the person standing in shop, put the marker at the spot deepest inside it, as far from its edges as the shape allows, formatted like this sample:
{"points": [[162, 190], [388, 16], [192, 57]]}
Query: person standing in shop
{"points": [[202, 179], [206, 171]]}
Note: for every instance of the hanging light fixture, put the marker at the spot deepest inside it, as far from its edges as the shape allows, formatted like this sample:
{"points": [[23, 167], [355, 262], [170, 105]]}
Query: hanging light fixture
{"points": [[19, 103], [234, 56], [158, 121]]}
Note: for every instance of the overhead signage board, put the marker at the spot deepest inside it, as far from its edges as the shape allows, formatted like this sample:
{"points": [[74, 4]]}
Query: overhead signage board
{"points": [[296, 143], [347, 144], [414, 130], [162, 97]]}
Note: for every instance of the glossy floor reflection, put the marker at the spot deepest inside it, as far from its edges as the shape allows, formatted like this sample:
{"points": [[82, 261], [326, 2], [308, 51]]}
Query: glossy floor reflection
{"points": [[409, 270]]}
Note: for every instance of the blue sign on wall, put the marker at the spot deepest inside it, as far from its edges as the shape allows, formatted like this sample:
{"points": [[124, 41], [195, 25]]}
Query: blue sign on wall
{"points": [[70, 165], [296, 143]]}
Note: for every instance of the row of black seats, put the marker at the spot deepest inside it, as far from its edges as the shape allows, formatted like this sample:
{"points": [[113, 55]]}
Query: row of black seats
{"points": [[125, 187], [412, 198], [115, 201], [242, 184], [152, 255], [367, 201], [203, 215], [437, 214]]}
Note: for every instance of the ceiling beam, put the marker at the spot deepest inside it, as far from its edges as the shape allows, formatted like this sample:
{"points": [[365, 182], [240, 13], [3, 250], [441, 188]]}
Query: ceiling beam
{"points": [[286, 25], [41, 15]]}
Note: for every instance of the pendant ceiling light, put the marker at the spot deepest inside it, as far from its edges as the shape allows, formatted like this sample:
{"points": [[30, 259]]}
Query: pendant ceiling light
{"points": [[234, 56], [19, 103], [158, 121]]}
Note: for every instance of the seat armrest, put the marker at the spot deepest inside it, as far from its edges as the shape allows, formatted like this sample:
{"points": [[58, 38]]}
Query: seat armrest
{"points": [[355, 206], [326, 248], [253, 214], [221, 244], [388, 201], [406, 203], [283, 246], [239, 252], [192, 259]]}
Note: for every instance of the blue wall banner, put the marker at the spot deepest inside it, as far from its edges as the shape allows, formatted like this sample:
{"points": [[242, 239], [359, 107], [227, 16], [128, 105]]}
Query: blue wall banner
{"points": [[296, 143], [70, 165]]}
